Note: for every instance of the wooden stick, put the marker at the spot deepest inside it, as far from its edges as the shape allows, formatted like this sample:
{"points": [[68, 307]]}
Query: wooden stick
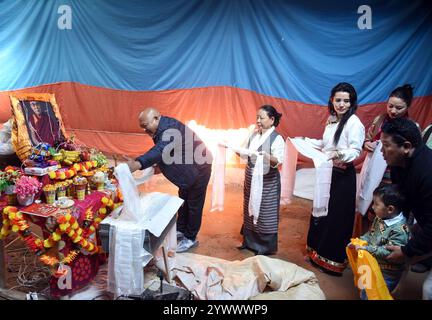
{"points": [[2, 265], [166, 264]]}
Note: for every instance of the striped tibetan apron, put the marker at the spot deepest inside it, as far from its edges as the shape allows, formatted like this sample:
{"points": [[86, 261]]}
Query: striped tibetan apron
{"points": [[262, 237]]}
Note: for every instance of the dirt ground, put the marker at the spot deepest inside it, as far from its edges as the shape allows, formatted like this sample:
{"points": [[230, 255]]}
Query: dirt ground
{"points": [[220, 234]]}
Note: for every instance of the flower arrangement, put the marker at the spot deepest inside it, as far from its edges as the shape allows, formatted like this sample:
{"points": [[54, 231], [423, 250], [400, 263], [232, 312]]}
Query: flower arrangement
{"points": [[8, 177], [25, 186], [49, 187], [100, 158]]}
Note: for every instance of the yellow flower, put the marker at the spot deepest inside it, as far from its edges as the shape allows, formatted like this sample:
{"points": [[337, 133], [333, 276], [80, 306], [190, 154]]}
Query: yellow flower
{"points": [[64, 226], [47, 243], [56, 236]]}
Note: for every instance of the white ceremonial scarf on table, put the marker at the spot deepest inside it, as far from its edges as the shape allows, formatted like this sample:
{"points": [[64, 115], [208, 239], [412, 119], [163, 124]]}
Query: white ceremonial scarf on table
{"points": [[128, 225], [323, 175], [371, 174]]}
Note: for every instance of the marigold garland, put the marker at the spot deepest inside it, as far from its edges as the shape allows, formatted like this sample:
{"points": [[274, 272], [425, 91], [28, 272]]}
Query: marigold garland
{"points": [[15, 221], [52, 261], [63, 174]]}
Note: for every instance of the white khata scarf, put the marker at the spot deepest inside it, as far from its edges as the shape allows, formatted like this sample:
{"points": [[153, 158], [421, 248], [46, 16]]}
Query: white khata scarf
{"points": [[323, 175], [257, 175], [371, 175]]}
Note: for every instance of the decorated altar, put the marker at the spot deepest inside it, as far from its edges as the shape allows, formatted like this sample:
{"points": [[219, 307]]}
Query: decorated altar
{"points": [[69, 244], [63, 187]]}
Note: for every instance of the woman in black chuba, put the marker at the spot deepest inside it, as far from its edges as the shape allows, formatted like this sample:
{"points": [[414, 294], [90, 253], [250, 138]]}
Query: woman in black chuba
{"points": [[342, 142]]}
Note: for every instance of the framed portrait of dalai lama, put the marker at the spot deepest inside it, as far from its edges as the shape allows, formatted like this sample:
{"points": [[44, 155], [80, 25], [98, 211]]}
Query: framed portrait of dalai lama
{"points": [[36, 120]]}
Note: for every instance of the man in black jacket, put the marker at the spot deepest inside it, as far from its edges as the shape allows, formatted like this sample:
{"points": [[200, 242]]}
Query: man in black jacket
{"points": [[183, 159], [410, 164]]}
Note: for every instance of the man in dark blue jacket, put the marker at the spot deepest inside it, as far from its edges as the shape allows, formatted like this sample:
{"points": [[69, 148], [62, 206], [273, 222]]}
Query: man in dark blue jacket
{"points": [[183, 159], [410, 164]]}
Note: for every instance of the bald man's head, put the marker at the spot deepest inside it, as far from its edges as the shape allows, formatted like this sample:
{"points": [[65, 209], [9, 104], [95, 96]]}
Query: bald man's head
{"points": [[149, 120]]}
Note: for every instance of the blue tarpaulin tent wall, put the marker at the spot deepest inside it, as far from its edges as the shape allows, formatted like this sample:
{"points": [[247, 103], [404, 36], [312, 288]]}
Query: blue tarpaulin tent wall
{"points": [[214, 61]]}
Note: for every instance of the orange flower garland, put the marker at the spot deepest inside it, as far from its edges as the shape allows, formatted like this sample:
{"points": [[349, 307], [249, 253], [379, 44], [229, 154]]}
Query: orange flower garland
{"points": [[15, 221], [63, 174], [52, 261], [6, 225]]}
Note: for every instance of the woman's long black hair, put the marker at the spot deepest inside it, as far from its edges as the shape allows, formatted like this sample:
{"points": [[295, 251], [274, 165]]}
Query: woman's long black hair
{"points": [[343, 87]]}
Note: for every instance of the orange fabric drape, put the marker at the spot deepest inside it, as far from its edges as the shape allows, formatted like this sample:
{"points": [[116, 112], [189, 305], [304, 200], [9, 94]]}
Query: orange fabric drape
{"points": [[107, 118], [365, 267]]}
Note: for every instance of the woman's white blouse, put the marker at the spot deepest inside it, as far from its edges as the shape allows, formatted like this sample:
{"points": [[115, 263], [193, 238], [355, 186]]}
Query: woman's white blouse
{"points": [[350, 143], [277, 149]]}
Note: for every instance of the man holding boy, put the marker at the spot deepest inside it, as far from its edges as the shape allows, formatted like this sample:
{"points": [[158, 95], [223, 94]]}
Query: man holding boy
{"points": [[410, 163]]}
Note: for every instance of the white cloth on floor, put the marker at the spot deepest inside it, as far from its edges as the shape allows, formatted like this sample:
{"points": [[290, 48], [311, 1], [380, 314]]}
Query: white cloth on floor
{"points": [[211, 278], [371, 175], [323, 175]]}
